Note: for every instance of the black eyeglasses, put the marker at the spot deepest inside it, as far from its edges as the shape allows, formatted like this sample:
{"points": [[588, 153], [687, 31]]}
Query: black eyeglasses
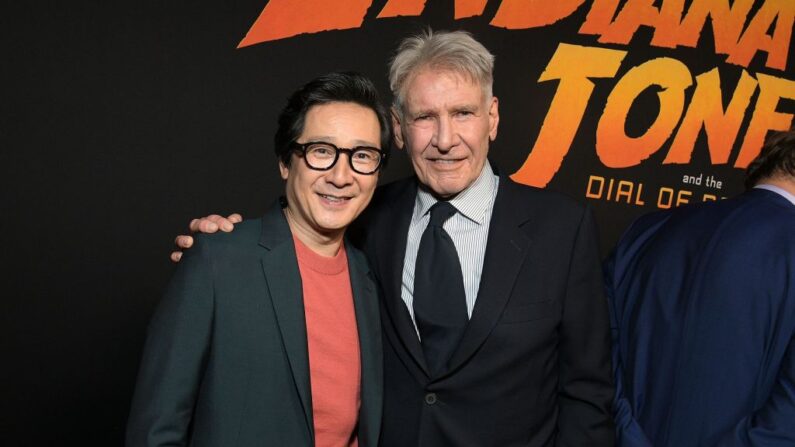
{"points": [[322, 156]]}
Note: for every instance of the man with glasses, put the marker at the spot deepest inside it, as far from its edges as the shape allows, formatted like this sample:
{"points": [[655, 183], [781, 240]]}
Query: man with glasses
{"points": [[270, 335]]}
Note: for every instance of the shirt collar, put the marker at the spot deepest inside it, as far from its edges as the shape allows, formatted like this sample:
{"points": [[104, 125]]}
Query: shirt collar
{"points": [[473, 202], [780, 191]]}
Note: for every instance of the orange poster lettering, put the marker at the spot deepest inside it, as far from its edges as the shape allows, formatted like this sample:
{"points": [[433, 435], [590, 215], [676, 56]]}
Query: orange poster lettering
{"points": [[522, 14], [287, 18], [671, 29], [599, 17], [573, 65], [634, 14], [726, 22], [463, 8], [667, 27], [765, 117], [755, 38], [706, 109], [469, 8], [397, 8], [613, 146]]}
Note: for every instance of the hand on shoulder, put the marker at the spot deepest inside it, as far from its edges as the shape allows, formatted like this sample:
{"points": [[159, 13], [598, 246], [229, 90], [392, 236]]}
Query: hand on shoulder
{"points": [[207, 224]]}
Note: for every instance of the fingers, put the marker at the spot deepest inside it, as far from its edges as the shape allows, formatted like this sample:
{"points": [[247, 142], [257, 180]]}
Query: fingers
{"points": [[214, 222], [205, 224], [226, 224], [209, 224], [183, 241]]}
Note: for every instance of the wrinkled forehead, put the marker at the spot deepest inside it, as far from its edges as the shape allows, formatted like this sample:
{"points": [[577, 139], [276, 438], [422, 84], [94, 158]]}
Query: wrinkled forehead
{"points": [[441, 85], [464, 79]]}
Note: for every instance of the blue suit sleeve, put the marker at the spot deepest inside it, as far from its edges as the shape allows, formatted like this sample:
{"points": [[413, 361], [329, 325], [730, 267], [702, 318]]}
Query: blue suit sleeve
{"points": [[174, 356], [628, 431], [774, 423]]}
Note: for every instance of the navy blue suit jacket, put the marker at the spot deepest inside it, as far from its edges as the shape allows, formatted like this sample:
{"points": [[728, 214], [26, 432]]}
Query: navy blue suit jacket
{"points": [[703, 316]]}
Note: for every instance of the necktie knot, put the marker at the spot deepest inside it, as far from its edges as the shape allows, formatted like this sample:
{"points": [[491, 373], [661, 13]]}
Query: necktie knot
{"points": [[440, 212]]}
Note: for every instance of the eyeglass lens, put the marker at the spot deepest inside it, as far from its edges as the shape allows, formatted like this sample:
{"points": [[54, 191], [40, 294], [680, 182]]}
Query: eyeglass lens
{"points": [[364, 160]]}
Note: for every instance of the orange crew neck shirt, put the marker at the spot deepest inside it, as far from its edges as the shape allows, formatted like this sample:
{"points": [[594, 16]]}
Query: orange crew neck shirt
{"points": [[333, 343]]}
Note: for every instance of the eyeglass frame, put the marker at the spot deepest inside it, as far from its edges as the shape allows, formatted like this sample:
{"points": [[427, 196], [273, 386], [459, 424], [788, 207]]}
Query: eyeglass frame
{"points": [[302, 148]]}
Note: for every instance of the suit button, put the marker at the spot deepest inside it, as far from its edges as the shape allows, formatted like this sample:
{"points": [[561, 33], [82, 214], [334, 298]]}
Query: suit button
{"points": [[430, 398]]}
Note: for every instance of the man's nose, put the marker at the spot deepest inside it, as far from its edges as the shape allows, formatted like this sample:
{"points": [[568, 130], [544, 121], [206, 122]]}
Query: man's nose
{"points": [[341, 174], [446, 136]]}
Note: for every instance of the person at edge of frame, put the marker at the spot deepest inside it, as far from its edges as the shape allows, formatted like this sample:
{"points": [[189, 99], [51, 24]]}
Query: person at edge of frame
{"points": [[702, 301]]}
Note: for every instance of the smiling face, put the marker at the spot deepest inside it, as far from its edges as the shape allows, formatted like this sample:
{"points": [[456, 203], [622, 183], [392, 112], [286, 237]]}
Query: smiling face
{"points": [[446, 127], [321, 204]]}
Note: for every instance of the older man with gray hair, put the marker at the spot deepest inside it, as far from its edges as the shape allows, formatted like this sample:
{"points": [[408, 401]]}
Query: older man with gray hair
{"points": [[495, 324]]}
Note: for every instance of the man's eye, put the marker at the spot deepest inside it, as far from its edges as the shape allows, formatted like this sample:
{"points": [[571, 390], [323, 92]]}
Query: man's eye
{"points": [[320, 151], [364, 155]]}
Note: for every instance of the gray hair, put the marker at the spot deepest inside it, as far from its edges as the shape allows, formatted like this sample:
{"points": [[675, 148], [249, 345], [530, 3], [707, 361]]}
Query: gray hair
{"points": [[456, 51]]}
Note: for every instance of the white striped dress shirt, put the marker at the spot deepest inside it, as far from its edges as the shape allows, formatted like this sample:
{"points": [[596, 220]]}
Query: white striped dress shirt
{"points": [[468, 228]]}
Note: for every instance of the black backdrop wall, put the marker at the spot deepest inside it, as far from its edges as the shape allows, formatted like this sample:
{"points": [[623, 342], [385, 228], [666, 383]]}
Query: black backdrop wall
{"points": [[121, 121]]}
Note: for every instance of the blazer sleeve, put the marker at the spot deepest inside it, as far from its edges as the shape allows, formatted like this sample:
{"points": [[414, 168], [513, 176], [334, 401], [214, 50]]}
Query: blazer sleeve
{"points": [[585, 390], [774, 423], [628, 431], [174, 356]]}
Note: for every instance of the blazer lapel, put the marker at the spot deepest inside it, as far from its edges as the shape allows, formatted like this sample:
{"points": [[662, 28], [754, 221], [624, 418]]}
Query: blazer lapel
{"points": [[368, 322], [284, 284], [392, 246], [506, 249]]}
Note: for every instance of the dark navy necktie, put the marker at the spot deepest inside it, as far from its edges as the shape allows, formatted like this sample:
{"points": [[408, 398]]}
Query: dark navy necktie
{"points": [[439, 297]]}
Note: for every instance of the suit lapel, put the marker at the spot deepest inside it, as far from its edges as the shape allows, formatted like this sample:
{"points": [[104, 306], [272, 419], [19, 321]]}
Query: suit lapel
{"points": [[365, 301], [391, 253], [506, 249], [280, 266]]}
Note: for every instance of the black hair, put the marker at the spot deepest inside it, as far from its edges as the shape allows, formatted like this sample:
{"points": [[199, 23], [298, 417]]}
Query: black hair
{"points": [[776, 158], [332, 87]]}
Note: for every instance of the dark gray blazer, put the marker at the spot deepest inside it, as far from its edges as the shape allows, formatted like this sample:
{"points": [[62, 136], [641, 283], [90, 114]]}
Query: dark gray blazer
{"points": [[225, 361], [533, 366]]}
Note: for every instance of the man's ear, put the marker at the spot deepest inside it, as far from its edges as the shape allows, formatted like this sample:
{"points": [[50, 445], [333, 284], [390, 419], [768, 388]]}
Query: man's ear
{"points": [[494, 118], [284, 171], [396, 129]]}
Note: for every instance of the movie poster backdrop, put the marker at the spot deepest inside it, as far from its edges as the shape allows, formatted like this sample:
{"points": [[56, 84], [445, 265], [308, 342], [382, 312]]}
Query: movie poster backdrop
{"points": [[122, 121]]}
